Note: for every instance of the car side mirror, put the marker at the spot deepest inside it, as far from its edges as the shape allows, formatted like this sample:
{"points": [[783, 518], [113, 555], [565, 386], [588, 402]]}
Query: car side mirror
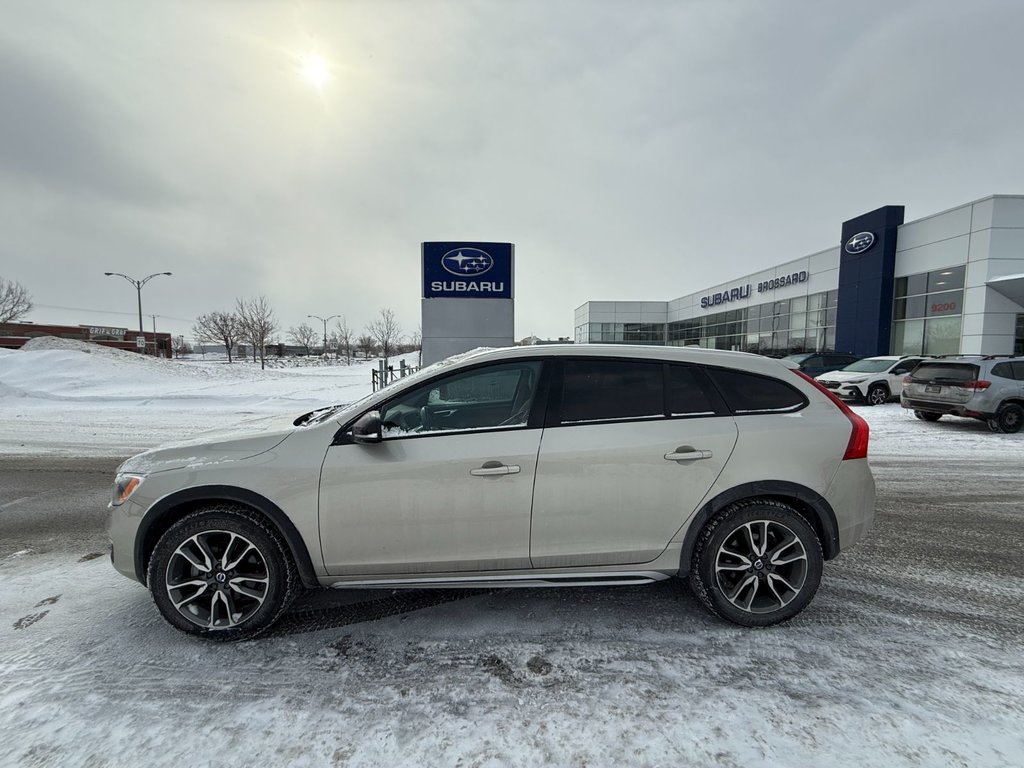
{"points": [[367, 429]]}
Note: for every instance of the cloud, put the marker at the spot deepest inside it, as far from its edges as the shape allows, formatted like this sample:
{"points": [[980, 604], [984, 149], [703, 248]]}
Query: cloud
{"points": [[60, 134]]}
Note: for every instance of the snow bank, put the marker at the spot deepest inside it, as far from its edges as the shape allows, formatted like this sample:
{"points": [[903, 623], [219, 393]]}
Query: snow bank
{"points": [[69, 397]]}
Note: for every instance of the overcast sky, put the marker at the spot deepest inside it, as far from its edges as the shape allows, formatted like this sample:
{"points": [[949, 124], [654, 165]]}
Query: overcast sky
{"points": [[630, 150]]}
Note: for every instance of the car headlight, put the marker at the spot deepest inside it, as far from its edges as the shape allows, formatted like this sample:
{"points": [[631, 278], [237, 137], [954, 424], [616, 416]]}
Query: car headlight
{"points": [[856, 381], [124, 487]]}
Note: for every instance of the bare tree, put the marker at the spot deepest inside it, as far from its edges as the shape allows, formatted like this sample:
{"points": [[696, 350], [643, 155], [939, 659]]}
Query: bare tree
{"points": [[304, 336], [346, 339], [386, 332], [181, 347], [15, 301], [258, 325], [366, 345], [416, 342], [221, 327]]}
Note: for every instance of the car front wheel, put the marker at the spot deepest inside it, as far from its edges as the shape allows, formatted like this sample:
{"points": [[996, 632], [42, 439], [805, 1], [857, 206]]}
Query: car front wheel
{"points": [[756, 563], [878, 394], [1008, 419], [222, 573]]}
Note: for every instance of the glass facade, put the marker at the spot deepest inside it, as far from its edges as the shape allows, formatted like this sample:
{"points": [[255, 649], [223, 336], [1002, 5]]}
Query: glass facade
{"points": [[928, 312], [621, 333], [802, 324], [1018, 337]]}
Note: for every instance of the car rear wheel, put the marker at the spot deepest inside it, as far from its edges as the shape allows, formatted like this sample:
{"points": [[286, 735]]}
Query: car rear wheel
{"points": [[222, 573], [756, 563], [926, 416], [878, 394], [1009, 419]]}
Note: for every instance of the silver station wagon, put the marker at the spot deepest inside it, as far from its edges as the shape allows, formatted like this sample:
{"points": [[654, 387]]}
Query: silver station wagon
{"points": [[521, 467]]}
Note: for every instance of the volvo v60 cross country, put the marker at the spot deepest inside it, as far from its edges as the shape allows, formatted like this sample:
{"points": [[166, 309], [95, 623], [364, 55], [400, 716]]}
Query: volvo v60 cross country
{"points": [[521, 467]]}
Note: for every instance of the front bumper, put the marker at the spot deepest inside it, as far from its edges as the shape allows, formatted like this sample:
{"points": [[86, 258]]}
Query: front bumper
{"points": [[122, 528], [844, 391]]}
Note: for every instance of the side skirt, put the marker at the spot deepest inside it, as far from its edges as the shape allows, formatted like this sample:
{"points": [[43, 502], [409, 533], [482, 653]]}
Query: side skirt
{"points": [[582, 579]]}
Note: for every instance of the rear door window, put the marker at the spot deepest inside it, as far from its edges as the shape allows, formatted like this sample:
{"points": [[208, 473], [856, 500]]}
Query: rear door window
{"points": [[690, 394], [748, 393], [611, 390]]}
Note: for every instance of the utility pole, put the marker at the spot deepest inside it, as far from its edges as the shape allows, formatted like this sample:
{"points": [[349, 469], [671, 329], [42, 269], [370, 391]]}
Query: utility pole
{"points": [[324, 320], [138, 288]]}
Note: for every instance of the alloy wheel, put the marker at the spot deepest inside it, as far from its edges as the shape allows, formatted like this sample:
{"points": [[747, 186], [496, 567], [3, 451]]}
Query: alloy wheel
{"points": [[217, 579], [761, 566]]}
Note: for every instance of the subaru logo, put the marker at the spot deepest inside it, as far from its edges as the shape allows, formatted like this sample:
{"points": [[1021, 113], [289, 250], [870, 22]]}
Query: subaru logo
{"points": [[467, 261], [860, 242]]}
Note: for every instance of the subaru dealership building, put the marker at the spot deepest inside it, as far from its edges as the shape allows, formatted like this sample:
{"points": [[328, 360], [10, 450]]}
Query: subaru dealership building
{"points": [[950, 283]]}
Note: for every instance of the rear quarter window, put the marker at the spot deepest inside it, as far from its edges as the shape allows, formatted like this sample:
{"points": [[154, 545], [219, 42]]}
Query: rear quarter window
{"points": [[1005, 370], [749, 393]]}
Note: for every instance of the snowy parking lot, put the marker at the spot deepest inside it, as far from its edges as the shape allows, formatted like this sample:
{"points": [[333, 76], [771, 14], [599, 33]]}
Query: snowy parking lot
{"points": [[909, 655]]}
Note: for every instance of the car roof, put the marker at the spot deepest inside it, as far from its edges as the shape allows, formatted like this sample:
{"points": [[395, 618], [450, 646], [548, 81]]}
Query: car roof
{"points": [[691, 354]]}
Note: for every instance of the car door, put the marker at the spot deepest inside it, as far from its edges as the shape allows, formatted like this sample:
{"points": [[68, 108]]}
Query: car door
{"points": [[622, 466], [898, 372], [449, 486]]}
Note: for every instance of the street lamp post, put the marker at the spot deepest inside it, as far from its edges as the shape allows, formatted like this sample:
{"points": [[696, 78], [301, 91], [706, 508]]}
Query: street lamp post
{"points": [[138, 288], [324, 320]]}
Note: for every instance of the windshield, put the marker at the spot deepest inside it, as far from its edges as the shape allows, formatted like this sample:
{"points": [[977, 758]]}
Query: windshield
{"points": [[797, 358], [869, 366]]}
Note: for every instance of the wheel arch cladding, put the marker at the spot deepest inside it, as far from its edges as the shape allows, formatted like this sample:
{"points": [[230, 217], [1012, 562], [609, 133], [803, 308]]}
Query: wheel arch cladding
{"points": [[808, 503], [168, 510]]}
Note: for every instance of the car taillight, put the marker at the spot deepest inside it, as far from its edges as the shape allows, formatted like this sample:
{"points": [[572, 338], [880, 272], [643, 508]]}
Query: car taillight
{"points": [[857, 448], [906, 379], [979, 384]]}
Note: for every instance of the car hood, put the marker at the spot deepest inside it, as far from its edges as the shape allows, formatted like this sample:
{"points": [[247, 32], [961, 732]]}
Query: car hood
{"points": [[846, 375], [241, 441]]}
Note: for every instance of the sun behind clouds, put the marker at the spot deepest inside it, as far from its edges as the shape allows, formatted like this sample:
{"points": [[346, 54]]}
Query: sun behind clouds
{"points": [[314, 69]]}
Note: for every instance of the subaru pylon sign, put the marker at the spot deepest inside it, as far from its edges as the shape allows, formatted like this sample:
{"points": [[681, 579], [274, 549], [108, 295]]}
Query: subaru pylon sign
{"points": [[457, 270], [456, 276]]}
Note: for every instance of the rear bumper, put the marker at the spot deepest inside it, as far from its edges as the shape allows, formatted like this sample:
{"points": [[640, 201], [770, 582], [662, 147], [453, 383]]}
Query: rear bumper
{"points": [[852, 496], [932, 406]]}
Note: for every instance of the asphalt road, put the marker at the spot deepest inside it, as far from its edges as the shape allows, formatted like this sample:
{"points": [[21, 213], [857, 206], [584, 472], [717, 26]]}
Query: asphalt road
{"points": [[935, 519]]}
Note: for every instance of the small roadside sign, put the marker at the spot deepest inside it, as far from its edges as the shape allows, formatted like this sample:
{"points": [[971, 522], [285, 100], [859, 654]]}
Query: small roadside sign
{"points": [[140, 342]]}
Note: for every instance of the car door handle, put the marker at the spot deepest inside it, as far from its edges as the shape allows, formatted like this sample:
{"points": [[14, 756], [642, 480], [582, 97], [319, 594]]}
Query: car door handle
{"points": [[687, 453], [491, 468]]}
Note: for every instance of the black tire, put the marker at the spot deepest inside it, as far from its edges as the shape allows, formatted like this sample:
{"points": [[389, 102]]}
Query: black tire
{"points": [[244, 550], [878, 394], [1009, 419], [717, 575], [927, 416]]}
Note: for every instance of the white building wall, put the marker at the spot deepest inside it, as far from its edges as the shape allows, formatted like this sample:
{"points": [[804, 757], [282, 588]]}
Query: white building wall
{"points": [[986, 235]]}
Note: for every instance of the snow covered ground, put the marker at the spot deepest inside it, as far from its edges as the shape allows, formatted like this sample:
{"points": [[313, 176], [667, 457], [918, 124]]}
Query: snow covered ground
{"points": [[910, 654], [56, 397]]}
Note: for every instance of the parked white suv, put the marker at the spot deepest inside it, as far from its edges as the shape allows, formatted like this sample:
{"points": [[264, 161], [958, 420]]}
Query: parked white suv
{"points": [[873, 380], [531, 466]]}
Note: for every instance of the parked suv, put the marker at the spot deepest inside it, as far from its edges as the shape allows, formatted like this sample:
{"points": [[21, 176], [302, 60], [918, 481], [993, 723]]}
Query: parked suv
{"points": [[816, 363], [988, 388], [872, 380], [521, 467]]}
